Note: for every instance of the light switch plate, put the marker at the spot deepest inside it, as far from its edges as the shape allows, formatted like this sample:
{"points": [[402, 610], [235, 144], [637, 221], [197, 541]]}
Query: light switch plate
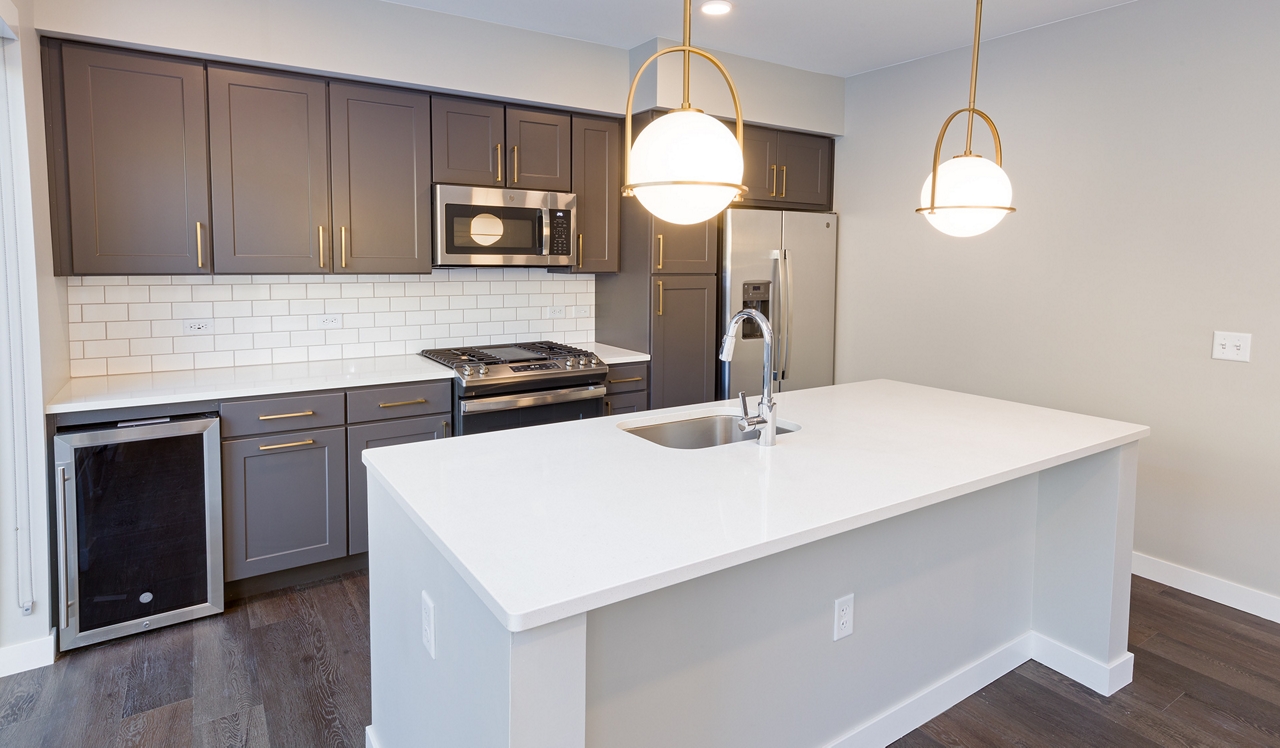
{"points": [[1232, 346]]}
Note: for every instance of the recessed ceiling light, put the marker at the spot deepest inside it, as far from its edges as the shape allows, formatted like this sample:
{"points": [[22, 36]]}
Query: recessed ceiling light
{"points": [[717, 7]]}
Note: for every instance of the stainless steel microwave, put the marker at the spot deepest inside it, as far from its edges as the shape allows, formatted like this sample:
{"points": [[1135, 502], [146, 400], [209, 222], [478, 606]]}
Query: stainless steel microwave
{"points": [[489, 226]]}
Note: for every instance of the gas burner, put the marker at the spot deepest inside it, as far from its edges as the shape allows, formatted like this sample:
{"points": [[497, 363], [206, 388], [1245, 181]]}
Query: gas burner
{"points": [[453, 357], [519, 364]]}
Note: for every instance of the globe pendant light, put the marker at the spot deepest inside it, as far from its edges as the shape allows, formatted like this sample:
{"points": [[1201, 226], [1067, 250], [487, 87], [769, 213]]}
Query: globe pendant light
{"points": [[686, 166], [967, 195]]}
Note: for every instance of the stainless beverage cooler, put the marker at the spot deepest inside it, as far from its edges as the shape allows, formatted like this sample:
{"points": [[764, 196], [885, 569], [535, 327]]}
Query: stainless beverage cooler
{"points": [[139, 527]]}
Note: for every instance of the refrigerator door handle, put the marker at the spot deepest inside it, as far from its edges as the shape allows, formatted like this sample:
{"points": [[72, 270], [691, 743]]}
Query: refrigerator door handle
{"points": [[784, 268]]}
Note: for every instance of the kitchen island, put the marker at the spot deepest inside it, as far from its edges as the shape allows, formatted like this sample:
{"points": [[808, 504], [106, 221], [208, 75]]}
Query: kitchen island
{"points": [[586, 587]]}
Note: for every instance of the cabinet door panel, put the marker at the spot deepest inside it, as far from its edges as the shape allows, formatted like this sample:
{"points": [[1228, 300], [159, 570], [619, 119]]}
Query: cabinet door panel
{"points": [[538, 143], [760, 166], [630, 402], [284, 501], [466, 142], [137, 162], [371, 436], [381, 161], [682, 249], [269, 149], [597, 181], [681, 371], [806, 179]]}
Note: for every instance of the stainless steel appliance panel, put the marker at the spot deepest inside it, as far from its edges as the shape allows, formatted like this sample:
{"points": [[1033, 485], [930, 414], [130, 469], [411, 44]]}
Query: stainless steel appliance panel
{"points": [[752, 240], [139, 528], [806, 356], [488, 226]]}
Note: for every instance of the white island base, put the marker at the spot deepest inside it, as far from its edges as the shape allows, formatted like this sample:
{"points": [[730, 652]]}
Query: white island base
{"points": [[686, 597]]}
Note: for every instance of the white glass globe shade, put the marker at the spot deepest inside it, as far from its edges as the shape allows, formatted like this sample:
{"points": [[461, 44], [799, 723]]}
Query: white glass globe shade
{"points": [[968, 180], [685, 146]]}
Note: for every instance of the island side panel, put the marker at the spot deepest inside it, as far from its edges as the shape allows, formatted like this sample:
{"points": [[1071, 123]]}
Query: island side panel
{"points": [[461, 697], [549, 685], [1084, 558], [746, 656]]}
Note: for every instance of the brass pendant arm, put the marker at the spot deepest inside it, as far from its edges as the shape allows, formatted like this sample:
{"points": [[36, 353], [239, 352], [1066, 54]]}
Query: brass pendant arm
{"points": [[631, 95], [937, 150]]}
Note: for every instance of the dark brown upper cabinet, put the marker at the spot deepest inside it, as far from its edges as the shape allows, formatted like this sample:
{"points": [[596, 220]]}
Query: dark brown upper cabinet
{"points": [[784, 169], [805, 163], [538, 145], [467, 142], [137, 169], [380, 154], [683, 249], [597, 181], [269, 159], [489, 145]]}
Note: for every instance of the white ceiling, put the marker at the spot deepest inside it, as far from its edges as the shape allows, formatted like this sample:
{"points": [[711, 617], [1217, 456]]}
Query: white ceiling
{"points": [[838, 37]]}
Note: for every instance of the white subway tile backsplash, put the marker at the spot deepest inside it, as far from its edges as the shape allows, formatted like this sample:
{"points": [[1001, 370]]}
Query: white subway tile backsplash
{"points": [[123, 325]]}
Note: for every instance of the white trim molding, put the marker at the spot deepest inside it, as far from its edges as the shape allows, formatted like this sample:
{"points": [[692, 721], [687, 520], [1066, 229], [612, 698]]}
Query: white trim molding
{"points": [[17, 658], [1105, 678], [1257, 602]]}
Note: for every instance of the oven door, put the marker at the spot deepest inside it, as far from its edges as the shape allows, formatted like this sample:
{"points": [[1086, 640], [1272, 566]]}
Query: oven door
{"points": [[479, 415], [486, 226]]}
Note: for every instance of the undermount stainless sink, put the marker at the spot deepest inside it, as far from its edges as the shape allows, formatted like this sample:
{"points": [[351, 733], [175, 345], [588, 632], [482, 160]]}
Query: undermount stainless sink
{"points": [[700, 433]]}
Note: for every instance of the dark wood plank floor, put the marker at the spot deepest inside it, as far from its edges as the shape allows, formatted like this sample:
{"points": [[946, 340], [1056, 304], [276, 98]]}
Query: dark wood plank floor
{"points": [[288, 668], [291, 668]]}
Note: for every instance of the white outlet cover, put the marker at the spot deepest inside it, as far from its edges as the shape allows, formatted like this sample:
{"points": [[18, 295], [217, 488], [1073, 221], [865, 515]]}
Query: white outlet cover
{"points": [[197, 326], [329, 321], [1232, 346], [843, 623], [428, 624], [555, 312], [581, 311]]}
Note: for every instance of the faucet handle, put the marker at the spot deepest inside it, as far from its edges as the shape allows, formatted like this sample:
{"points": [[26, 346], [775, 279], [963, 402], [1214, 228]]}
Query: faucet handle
{"points": [[742, 398]]}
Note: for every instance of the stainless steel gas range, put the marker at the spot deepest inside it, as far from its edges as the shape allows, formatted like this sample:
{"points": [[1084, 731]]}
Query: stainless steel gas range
{"points": [[498, 387]]}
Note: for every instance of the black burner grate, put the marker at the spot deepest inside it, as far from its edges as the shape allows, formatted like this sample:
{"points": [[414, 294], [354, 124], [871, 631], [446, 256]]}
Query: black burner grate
{"points": [[466, 355]]}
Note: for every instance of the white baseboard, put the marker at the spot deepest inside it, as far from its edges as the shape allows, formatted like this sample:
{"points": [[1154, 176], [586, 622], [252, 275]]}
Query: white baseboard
{"points": [[1106, 679], [909, 714], [1261, 604], [17, 658]]}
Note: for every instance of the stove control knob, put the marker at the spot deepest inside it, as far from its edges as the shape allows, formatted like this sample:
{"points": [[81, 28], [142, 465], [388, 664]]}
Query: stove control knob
{"points": [[582, 361], [466, 370], [595, 360], [483, 369], [568, 364]]}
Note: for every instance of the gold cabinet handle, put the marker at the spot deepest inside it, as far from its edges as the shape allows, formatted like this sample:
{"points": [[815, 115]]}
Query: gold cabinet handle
{"points": [[608, 407], [628, 379], [302, 443], [515, 170], [659, 298], [419, 401], [660, 248], [773, 190], [498, 148], [320, 241], [287, 415], [579, 250], [784, 182], [199, 246], [344, 246], [446, 426]]}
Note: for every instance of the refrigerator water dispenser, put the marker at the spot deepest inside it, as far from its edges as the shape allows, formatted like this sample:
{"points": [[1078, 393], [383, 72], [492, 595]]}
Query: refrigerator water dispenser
{"points": [[755, 295]]}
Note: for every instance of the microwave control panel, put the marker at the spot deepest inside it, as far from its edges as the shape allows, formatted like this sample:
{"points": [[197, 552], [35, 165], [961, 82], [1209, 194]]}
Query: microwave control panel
{"points": [[560, 240]]}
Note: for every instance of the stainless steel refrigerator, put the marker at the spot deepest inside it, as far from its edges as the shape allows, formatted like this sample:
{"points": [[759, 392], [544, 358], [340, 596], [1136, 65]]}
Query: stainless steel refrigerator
{"points": [[782, 263]]}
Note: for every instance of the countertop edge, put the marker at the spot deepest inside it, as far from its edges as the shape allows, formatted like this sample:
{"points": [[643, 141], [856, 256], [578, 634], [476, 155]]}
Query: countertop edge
{"points": [[517, 622]]}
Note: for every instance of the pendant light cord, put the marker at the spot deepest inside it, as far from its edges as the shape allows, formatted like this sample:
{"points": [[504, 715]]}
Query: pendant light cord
{"points": [[973, 77]]}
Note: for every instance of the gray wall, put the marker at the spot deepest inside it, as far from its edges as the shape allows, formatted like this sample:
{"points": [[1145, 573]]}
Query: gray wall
{"points": [[1141, 142]]}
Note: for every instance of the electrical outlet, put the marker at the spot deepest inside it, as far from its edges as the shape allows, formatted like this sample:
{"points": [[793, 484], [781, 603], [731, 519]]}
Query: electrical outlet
{"points": [[1232, 346], [330, 321], [197, 327], [555, 312], [428, 624], [844, 618]]}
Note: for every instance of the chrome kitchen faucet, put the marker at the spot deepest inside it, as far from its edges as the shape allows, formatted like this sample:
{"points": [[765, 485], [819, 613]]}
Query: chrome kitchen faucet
{"points": [[767, 414]]}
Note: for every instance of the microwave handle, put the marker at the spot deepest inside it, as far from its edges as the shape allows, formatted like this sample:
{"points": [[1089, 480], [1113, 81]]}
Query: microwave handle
{"points": [[542, 227]]}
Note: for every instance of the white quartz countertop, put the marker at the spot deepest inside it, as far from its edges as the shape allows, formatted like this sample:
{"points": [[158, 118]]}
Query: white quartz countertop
{"points": [[159, 388], [639, 517]]}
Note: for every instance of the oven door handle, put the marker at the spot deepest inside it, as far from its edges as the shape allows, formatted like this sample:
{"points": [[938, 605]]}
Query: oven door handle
{"points": [[532, 399], [542, 230]]}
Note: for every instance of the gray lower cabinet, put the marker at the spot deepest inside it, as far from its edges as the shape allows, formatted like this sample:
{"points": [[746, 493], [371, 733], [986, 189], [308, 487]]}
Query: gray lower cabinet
{"points": [[284, 501], [683, 325], [137, 168], [381, 172], [627, 402], [269, 167], [379, 434]]}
